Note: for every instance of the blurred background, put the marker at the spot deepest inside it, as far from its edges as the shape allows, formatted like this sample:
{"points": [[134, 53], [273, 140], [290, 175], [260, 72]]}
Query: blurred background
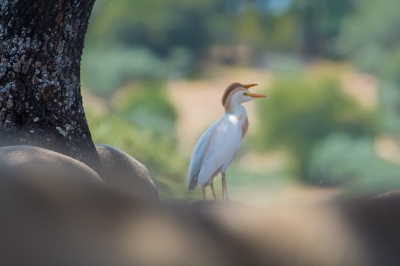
{"points": [[153, 74]]}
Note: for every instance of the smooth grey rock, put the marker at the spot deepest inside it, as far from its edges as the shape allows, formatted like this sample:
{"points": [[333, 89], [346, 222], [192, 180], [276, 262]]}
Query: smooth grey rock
{"points": [[123, 172], [29, 161], [395, 194]]}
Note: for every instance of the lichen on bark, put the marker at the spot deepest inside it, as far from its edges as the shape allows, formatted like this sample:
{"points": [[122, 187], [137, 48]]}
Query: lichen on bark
{"points": [[40, 97]]}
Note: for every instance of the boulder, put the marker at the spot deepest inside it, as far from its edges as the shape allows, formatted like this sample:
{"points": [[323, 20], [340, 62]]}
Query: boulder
{"points": [[123, 172], [33, 162], [395, 194]]}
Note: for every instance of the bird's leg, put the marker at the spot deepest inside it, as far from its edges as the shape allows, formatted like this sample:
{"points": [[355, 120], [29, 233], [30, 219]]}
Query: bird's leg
{"points": [[212, 188], [204, 193], [224, 188]]}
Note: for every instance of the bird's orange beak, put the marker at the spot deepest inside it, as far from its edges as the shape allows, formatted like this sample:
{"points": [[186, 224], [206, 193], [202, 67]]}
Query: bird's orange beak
{"points": [[249, 85], [255, 95]]}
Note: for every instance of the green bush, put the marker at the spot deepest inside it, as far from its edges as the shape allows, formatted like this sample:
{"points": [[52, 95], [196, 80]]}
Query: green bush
{"points": [[147, 106], [302, 112], [103, 71], [165, 165], [342, 160], [141, 121], [369, 39]]}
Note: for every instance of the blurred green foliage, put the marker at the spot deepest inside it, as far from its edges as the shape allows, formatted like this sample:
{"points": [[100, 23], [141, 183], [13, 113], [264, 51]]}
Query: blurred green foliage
{"points": [[369, 37], [320, 24], [147, 106], [340, 159], [160, 39], [302, 112], [141, 121], [166, 166], [104, 71]]}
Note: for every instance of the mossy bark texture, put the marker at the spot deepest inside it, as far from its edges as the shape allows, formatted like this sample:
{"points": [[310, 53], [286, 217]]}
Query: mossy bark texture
{"points": [[40, 96]]}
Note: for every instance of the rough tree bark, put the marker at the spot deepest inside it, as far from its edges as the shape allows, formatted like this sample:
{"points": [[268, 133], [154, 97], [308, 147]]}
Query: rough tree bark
{"points": [[40, 98]]}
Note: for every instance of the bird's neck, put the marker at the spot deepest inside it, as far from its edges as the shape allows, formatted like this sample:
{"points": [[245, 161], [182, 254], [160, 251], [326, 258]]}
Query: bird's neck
{"points": [[234, 108], [240, 112]]}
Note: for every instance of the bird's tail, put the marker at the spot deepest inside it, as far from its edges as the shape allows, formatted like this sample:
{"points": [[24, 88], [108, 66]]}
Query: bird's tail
{"points": [[191, 183]]}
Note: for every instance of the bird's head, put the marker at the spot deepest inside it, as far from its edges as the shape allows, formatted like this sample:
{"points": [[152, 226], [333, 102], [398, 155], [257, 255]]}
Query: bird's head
{"points": [[240, 93]]}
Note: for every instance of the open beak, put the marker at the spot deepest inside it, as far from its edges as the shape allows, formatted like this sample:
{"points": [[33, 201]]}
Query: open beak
{"points": [[255, 95], [249, 85]]}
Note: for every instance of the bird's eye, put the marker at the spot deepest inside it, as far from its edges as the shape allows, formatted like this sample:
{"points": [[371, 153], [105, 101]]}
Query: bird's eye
{"points": [[245, 93]]}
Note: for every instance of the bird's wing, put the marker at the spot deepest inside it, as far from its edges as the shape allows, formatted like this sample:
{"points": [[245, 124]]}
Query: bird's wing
{"points": [[197, 157], [222, 148]]}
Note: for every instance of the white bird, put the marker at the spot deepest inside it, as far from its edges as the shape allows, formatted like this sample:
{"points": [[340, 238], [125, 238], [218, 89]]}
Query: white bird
{"points": [[218, 146]]}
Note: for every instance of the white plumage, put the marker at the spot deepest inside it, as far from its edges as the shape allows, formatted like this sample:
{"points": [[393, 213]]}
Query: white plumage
{"points": [[218, 146], [222, 148], [197, 157]]}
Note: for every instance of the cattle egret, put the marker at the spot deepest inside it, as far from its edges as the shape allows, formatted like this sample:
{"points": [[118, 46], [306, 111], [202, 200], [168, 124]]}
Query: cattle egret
{"points": [[218, 146]]}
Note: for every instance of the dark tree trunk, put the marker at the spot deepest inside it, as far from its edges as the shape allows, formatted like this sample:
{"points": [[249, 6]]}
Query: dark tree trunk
{"points": [[40, 97]]}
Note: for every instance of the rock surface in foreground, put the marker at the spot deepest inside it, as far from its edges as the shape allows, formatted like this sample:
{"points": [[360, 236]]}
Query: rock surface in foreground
{"points": [[125, 173], [34, 162], [69, 217]]}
